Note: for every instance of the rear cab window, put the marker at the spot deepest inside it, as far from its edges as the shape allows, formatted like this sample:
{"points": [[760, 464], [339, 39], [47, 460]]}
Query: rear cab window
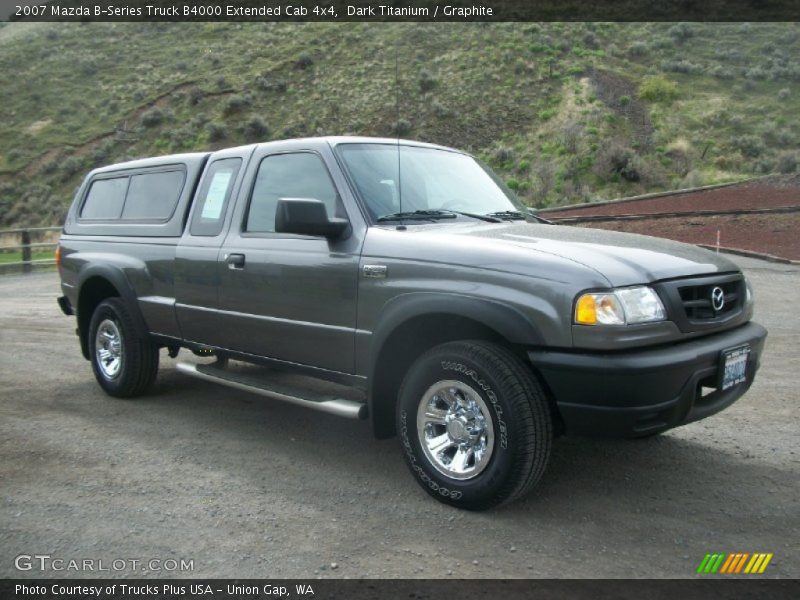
{"points": [[105, 199], [153, 196], [146, 196]]}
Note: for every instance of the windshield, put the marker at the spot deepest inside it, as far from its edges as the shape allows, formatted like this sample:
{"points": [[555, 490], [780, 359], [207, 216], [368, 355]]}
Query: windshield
{"points": [[431, 180]]}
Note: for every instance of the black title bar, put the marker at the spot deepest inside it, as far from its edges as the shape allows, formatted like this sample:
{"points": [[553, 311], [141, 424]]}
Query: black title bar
{"points": [[400, 10], [370, 589]]}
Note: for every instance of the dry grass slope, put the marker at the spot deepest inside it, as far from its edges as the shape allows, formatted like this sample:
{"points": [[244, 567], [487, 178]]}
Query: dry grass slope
{"points": [[564, 112]]}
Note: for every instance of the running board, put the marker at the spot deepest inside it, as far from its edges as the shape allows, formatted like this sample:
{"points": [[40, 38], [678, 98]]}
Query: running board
{"points": [[335, 406]]}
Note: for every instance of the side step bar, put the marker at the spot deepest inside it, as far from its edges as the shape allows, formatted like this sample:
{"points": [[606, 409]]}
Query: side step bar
{"points": [[335, 406]]}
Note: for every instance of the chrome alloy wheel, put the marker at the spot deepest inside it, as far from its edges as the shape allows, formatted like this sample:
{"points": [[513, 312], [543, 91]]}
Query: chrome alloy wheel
{"points": [[455, 429], [108, 349]]}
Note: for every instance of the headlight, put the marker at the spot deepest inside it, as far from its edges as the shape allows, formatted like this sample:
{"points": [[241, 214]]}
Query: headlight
{"points": [[619, 307]]}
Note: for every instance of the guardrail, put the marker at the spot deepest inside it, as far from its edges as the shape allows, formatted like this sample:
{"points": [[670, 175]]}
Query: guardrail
{"points": [[26, 248], [674, 214]]}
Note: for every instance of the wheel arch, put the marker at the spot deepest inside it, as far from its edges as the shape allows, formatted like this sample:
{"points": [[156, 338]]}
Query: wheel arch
{"points": [[96, 284], [413, 323]]}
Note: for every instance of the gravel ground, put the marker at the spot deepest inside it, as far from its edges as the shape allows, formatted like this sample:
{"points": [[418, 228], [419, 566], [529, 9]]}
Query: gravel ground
{"points": [[247, 487]]}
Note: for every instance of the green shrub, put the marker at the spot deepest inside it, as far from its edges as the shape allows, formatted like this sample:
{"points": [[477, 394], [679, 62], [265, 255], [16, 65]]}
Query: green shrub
{"points": [[304, 61], [547, 114], [749, 145], [194, 97], [721, 72], [728, 54], [680, 32], [152, 117], [271, 84], [216, 131], [88, 67], [662, 43], [681, 66], [255, 129], [756, 73], [401, 127], [71, 166], [102, 151], [236, 104], [785, 137], [617, 160], [503, 154], [763, 166], [427, 81], [658, 88], [440, 110], [787, 162]]}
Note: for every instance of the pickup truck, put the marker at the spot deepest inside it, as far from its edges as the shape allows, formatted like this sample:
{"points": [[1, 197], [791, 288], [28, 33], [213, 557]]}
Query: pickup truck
{"points": [[411, 279]]}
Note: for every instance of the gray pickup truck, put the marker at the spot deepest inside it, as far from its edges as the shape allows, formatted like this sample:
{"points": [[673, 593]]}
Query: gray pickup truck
{"points": [[407, 277]]}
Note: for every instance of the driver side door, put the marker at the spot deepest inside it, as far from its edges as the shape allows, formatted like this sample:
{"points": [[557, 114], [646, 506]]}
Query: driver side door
{"points": [[286, 296]]}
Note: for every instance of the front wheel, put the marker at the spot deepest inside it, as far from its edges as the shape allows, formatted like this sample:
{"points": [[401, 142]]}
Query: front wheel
{"points": [[124, 360], [474, 424]]}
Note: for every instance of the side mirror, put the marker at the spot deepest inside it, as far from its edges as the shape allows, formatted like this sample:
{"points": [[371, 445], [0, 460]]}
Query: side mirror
{"points": [[306, 216]]}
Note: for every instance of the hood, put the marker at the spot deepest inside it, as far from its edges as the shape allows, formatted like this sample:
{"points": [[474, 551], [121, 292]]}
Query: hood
{"points": [[620, 258]]}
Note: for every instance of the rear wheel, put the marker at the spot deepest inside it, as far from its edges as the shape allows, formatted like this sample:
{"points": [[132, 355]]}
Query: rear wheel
{"points": [[474, 424], [124, 360]]}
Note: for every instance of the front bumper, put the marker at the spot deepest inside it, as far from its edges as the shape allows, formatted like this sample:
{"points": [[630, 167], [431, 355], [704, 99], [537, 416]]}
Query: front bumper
{"points": [[641, 392]]}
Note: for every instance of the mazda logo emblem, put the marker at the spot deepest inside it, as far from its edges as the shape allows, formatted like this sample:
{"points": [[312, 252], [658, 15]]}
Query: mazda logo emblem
{"points": [[717, 299]]}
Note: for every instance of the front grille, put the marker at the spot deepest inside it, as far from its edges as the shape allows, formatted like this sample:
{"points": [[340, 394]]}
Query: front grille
{"points": [[690, 305], [698, 303]]}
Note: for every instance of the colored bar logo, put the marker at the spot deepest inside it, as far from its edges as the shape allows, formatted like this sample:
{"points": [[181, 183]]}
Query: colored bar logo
{"points": [[735, 563]]}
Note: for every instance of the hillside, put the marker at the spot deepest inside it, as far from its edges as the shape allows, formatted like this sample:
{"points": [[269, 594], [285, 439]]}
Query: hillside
{"points": [[564, 112]]}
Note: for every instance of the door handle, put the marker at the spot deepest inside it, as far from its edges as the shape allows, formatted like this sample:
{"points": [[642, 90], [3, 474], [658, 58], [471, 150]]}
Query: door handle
{"points": [[235, 261]]}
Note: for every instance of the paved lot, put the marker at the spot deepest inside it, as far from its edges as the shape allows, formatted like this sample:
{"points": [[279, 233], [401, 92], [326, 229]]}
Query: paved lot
{"points": [[247, 487]]}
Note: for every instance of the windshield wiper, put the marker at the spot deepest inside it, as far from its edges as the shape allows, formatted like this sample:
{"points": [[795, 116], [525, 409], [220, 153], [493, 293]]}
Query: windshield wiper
{"points": [[487, 218], [444, 213], [419, 215], [511, 215]]}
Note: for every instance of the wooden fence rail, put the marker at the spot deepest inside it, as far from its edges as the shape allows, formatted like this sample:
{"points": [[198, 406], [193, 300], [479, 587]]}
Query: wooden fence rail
{"points": [[25, 248]]}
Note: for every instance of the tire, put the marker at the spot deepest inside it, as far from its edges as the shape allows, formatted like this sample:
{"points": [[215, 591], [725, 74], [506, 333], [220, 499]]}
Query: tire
{"points": [[124, 361], [499, 449]]}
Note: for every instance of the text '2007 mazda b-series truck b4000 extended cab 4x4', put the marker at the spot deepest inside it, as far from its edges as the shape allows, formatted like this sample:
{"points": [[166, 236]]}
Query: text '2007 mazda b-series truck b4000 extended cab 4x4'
{"points": [[408, 276]]}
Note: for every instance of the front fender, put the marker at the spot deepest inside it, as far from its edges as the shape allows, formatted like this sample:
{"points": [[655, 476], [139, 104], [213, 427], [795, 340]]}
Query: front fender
{"points": [[506, 320]]}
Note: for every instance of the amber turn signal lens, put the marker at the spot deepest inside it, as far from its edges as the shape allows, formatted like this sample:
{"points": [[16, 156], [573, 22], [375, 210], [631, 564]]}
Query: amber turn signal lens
{"points": [[586, 310], [58, 256]]}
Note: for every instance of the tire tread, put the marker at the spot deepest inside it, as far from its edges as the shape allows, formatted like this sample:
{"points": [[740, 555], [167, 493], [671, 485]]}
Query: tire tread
{"points": [[141, 354]]}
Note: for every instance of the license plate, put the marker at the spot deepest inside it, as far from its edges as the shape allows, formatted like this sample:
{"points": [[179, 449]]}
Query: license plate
{"points": [[734, 367]]}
